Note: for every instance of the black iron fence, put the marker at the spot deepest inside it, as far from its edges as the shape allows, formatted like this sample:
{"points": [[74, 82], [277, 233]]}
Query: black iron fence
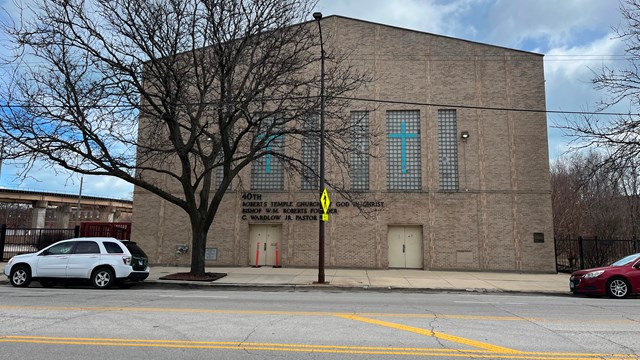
{"points": [[21, 241], [571, 254], [588, 252]]}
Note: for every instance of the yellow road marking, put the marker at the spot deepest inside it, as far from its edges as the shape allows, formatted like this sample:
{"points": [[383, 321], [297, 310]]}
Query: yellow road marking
{"points": [[436, 334], [262, 312], [307, 348], [495, 350], [311, 313], [226, 343]]}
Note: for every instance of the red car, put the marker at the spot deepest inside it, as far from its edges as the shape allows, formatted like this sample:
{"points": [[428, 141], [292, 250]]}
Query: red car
{"points": [[617, 280]]}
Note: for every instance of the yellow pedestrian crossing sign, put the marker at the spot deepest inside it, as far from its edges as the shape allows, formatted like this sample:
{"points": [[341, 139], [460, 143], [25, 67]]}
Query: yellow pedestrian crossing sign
{"points": [[325, 201]]}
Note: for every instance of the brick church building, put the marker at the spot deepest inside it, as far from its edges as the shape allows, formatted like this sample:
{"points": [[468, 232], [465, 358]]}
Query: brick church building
{"points": [[458, 179]]}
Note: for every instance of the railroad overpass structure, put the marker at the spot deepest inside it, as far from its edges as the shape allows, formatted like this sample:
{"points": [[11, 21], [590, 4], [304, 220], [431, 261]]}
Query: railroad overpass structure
{"points": [[64, 205]]}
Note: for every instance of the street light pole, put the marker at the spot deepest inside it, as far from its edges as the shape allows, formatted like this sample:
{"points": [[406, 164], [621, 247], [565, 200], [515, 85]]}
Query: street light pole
{"points": [[318, 17]]}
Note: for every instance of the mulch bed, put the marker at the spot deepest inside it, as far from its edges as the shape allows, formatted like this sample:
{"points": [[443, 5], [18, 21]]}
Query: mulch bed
{"points": [[191, 277]]}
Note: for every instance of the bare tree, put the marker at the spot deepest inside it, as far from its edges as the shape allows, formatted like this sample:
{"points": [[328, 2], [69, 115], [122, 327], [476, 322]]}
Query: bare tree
{"points": [[176, 97], [600, 195], [591, 201], [630, 188], [15, 215], [620, 136]]}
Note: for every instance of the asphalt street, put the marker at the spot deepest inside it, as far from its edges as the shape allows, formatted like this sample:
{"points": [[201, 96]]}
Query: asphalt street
{"points": [[81, 323]]}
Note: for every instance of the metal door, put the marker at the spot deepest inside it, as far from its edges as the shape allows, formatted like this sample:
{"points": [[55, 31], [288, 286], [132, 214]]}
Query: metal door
{"points": [[53, 261], [405, 247], [274, 233], [85, 256], [396, 247], [263, 242], [257, 244], [413, 247]]}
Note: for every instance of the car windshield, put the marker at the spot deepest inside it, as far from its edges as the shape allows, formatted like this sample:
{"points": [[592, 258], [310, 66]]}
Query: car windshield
{"points": [[626, 260], [135, 249]]}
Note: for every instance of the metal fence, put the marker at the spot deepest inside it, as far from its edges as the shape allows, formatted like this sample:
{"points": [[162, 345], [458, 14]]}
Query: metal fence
{"points": [[118, 230], [584, 253], [20, 241]]}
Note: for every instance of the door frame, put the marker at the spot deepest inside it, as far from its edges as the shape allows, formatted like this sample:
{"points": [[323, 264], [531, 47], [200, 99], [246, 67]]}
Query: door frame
{"points": [[403, 227], [267, 249]]}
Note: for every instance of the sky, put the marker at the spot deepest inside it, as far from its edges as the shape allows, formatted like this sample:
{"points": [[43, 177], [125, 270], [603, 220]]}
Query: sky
{"points": [[577, 37]]}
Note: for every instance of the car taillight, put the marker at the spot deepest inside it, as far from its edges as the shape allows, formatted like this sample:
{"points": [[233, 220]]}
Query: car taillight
{"points": [[126, 260]]}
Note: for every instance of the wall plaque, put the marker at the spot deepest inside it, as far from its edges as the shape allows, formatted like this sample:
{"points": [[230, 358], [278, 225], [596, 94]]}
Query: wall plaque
{"points": [[211, 254], [538, 237]]}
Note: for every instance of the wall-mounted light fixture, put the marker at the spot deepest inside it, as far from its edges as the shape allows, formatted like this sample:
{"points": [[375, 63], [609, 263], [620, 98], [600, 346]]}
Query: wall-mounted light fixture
{"points": [[182, 249], [464, 135]]}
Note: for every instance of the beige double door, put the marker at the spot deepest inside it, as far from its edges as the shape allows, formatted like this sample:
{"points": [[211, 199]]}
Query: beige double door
{"points": [[263, 242], [405, 247]]}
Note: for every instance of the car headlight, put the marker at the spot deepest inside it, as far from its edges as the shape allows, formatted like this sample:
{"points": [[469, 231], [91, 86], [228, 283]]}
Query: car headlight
{"points": [[594, 274]]}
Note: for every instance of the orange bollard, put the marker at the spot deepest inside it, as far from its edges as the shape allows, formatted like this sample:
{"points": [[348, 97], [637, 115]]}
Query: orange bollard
{"points": [[257, 254], [277, 256]]}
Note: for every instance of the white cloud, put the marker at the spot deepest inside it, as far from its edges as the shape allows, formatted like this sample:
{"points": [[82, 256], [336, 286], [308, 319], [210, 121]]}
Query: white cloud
{"points": [[569, 32], [46, 179], [430, 16], [569, 70], [568, 74], [512, 22], [103, 185]]}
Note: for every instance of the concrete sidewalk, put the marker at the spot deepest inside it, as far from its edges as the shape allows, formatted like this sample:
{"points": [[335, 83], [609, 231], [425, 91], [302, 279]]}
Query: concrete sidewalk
{"points": [[398, 279], [415, 280]]}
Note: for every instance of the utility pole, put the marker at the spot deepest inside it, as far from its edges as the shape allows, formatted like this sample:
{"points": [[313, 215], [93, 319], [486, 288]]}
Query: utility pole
{"points": [[318, 17]]}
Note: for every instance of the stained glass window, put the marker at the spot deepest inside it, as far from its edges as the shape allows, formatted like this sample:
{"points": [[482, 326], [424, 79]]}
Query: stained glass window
{"points": [[359, 158], [267, 172], [403, 150], [448, 149], [310, 154]]}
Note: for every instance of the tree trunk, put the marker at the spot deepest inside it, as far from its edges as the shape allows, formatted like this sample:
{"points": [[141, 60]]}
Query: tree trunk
{"points": [[199, 231]]}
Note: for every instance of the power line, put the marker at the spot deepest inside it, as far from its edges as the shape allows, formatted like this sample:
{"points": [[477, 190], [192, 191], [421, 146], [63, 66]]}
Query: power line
{"points": [[568, 112], [432, 57], [397, 102]]}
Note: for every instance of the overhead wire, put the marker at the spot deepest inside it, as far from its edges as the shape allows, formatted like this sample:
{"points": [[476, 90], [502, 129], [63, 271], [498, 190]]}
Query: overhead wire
{"points": [[435, 57], [383, 101]]}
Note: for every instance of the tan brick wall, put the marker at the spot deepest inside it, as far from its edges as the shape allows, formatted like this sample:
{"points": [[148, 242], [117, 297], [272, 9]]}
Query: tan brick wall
{"points": [[504, 192]]}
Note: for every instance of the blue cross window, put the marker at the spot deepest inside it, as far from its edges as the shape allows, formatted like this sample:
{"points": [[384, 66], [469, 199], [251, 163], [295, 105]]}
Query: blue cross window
{"points": [[267, 161], [403, 150], [267, 172]]}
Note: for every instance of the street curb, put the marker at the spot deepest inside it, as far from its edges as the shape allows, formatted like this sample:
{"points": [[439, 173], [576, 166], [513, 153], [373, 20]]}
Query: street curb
{"points": [[170, 285], [333, 288]]}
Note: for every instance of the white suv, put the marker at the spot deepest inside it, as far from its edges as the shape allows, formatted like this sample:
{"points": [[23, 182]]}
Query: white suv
{"points": [[103, 261]]}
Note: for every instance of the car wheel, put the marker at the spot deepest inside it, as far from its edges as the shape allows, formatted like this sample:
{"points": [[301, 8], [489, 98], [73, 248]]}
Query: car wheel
{"points": [[102, 278], [618, 288], [47, 283], [20, 276]]}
